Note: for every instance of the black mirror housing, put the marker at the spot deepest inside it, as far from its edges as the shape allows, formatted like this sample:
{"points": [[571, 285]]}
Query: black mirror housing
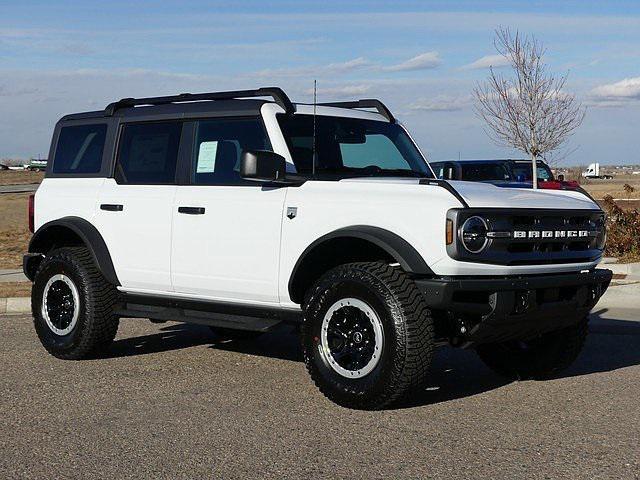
{"points": [[262, 166]]}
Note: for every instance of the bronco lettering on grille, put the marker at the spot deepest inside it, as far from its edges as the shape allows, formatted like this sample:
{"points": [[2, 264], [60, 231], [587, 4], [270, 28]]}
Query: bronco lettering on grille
{"points": [[535, 234]]}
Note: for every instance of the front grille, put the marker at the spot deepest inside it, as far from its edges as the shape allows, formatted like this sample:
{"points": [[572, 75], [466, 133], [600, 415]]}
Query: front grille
{"points": [[534, 237]]}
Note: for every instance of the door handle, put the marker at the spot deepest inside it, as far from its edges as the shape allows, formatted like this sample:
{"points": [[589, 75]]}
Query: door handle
{"points": [[111, 207], [191, 210]]}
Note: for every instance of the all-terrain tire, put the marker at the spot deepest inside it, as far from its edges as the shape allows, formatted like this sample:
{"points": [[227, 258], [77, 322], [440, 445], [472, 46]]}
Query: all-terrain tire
{"points": [[96, 324], [540, 358], [407, 329]]}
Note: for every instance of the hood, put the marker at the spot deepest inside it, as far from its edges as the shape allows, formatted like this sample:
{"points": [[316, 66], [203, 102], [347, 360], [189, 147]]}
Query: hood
{"points": [[488, 195]]}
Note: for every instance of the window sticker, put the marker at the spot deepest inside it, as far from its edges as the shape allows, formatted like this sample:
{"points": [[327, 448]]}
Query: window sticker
{"points": [[207, 157]]}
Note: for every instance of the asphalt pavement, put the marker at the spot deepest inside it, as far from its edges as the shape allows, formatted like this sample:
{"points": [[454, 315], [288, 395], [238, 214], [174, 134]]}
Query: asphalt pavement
{"points": [[173, 401]]}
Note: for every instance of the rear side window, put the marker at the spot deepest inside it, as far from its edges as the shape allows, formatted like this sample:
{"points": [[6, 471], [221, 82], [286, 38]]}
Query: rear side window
{"points": [[148, 153], [80, 149]]}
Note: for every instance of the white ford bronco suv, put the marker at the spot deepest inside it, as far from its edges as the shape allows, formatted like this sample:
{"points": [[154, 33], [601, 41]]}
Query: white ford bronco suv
{"points": [[241, 210]]}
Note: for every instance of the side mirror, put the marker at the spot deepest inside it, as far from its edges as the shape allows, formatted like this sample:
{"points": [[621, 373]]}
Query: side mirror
{"points": [[262, 166]]}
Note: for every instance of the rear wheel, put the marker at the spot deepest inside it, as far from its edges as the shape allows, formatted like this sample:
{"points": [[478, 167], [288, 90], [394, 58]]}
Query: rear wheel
{"points": [[367, 335], [72, 305], [540, 358]]}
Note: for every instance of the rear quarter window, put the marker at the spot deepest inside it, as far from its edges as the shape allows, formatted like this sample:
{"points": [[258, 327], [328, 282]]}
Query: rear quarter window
{"points": [[79, 149]]}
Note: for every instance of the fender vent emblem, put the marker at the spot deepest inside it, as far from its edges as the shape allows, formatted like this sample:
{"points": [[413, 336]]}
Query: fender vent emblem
{"points": [[292, 212]]}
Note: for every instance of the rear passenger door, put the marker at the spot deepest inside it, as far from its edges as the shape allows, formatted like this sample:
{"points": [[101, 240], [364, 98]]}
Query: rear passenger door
{"points": [[226, 235], [135, 206]]}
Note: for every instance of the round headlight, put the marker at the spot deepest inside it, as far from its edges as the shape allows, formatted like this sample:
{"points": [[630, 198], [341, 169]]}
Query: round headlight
{"points": [[474, 234]]}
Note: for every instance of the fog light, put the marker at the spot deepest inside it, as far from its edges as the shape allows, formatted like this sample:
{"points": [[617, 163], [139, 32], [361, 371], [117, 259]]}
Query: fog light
{"points": [[522, 301]]}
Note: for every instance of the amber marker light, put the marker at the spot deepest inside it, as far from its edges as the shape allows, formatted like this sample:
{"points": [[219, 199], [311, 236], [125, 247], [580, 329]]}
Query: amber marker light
{"points": [[449, 231]]}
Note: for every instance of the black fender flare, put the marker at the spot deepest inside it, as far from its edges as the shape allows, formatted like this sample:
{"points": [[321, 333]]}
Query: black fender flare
{"points": [[396, 246], [88, 234]]}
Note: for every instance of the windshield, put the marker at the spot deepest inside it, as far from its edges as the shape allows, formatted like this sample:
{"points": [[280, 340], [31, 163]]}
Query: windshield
{"points": [[351, 147], [485, 171], [523, 171]]}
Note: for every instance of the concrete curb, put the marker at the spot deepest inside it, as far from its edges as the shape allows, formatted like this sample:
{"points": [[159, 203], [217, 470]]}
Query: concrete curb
{"points": [[15, 305], [631, 270]]}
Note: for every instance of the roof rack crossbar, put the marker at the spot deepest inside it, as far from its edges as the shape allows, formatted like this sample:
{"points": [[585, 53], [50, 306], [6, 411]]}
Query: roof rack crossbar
{"points": [[365, 103], [276, 93]]}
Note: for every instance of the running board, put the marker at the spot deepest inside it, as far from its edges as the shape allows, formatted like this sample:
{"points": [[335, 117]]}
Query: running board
{"points": [[215, 314]]}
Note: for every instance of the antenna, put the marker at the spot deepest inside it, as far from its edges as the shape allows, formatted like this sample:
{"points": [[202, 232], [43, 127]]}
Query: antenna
{"points": [[313, 145]]}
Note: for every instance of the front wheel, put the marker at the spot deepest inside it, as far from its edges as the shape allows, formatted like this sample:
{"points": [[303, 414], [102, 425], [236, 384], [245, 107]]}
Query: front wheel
{"points": [[540, 358], [367, 335]]}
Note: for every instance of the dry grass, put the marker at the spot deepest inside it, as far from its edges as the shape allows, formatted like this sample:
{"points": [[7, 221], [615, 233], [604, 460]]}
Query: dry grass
{"points": [[15, 289], [20, 177], [600, 188], [14, 229]]}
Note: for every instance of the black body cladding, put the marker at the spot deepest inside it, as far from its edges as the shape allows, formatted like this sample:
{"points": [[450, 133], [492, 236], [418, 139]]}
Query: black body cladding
{"points": [[65, 231]]}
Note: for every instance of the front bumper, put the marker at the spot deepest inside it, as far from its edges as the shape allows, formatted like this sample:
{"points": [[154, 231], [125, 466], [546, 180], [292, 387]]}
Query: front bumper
{"points": [[499, 309]]}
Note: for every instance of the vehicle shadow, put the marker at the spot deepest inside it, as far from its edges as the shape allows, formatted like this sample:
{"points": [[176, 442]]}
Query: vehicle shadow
{"points": [[171, 337], [281, 343], [611, 345]]}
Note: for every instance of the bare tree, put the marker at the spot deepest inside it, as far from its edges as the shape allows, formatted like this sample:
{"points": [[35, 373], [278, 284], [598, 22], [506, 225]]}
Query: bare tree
{"points": [[529, 109]]}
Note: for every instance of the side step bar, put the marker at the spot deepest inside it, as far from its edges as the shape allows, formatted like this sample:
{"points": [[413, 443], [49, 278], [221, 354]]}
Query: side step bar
{"points": [[215, 314]]}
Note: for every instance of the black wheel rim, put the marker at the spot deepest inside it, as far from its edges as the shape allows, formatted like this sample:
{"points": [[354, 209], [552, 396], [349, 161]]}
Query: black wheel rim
{"points": [[352, 338], [60, 304]]}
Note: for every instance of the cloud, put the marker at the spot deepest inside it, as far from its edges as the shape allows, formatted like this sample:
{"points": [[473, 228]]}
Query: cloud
{"points": [[338, 68], [341, 91], [441, 103], [487, 61], [624, 90], [424, 61]]}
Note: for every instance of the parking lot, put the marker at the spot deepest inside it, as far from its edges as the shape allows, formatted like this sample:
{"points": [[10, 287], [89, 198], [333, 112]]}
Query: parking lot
{"points": [[170, 401]]}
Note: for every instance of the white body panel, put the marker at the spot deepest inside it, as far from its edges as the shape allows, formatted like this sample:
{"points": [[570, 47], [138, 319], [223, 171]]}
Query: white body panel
{"points": [[478, 194], [66, 197], [138, 237], [231, 252]]}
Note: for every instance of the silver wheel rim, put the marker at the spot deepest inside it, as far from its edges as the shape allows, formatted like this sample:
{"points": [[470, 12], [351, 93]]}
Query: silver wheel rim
{"points": [[61, 319], [370, 331]]}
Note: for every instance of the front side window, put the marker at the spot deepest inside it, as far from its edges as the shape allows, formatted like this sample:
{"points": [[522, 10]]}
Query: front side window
{"points": [[351, 147], [219, 145], [148, 153], [79, 149]]}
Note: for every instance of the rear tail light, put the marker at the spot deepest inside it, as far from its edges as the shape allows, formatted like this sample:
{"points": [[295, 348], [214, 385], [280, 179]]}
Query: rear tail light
{"points": [[32, 208]]}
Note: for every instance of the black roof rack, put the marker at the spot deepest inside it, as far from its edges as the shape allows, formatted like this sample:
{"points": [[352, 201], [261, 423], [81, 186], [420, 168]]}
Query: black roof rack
{"points": [[364, 103], [276, 93]]}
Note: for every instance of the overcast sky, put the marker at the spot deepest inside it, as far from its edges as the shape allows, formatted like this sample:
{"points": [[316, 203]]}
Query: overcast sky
{"points": [[421, 58]]}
